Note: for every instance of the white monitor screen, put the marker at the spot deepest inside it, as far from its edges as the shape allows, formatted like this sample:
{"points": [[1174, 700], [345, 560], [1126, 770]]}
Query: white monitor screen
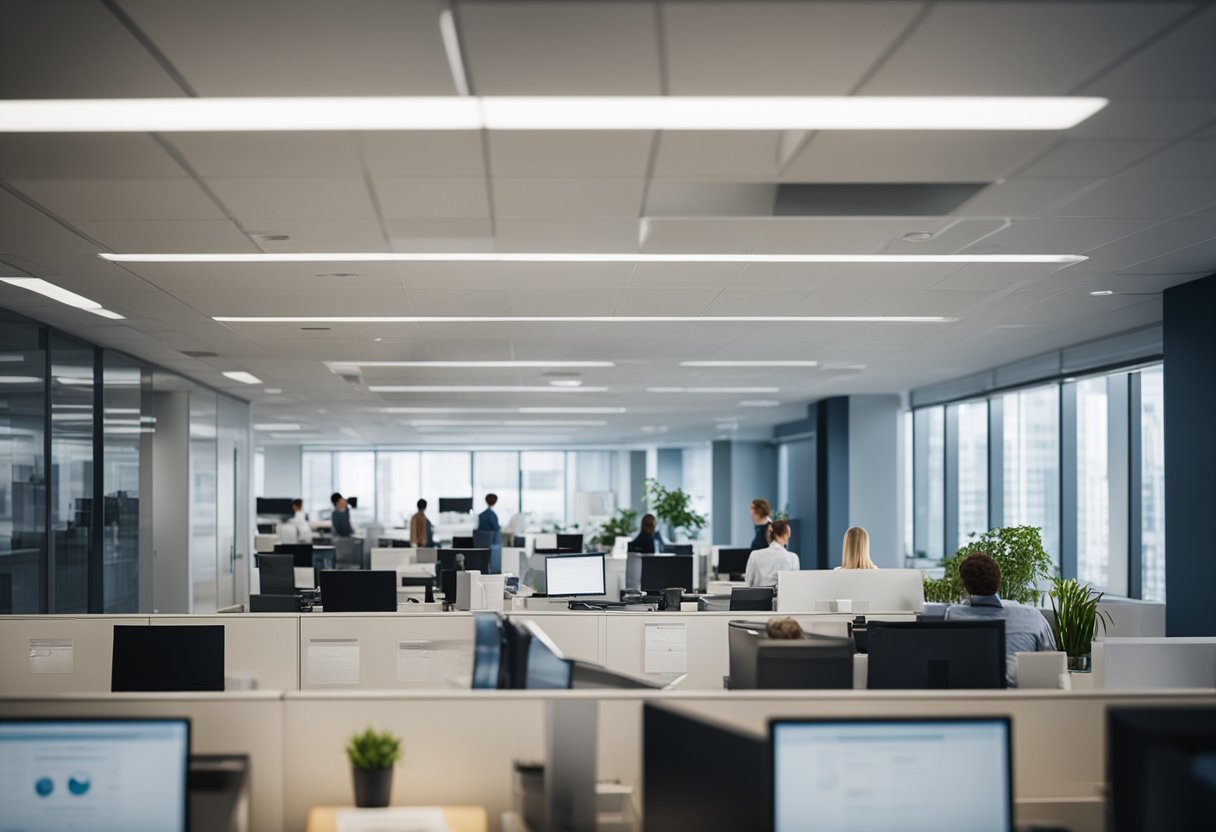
{"points": [[101, 776], [574, 575], [944, 776]]}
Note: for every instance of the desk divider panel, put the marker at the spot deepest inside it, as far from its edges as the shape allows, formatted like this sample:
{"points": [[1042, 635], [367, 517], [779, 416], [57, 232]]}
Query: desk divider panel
{"points": [[52, 654], [1155, 663], [579, 635], [264, 647]]}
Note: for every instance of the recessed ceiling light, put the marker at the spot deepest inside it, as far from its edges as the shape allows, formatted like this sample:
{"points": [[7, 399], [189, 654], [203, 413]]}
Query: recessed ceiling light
{"points": [[573, 257], [273, 391], [713, 390], [58, 293], [242, 376], [654, 428], [478, 388], [276, 426], [545, 423], [1102, 293], [592, 112], [595, 319], [377, 340], [749, 363], [759, 403], [565, 382], [726, 418], [918, 236], [584, 410], [488, 365], [20, 380]]}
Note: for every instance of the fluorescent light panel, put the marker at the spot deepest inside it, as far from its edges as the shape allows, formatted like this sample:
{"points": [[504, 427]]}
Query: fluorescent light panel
{"points": [[759, 403], [50, 290], [749, 363], [577, 319], [242, 376], [667, 112], [540, 423], [589, 411], [276, 426], [576, 257], [489, 365], [713, 389], [478, 388]]}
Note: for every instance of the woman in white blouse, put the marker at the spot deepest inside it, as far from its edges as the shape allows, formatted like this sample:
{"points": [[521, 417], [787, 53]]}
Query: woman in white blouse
{"points": [[764, 564]]}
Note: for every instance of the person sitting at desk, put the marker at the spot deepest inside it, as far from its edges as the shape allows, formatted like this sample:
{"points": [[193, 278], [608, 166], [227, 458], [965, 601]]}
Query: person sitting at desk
{"points": [[855, 554], [1026, 630], [487, 521], [761, 513], [648, 541], [784, 627], [764, 564], [340, 517], [422, 533], [295, 529]]}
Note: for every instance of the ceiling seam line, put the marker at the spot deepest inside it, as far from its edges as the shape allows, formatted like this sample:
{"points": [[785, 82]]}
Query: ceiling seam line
{"points": [[148, 44], [1139, 48], [5, 185]]}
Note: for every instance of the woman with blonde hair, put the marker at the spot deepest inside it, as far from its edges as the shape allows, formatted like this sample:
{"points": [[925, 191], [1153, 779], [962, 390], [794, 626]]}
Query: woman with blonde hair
{"points": [[856, 551]]}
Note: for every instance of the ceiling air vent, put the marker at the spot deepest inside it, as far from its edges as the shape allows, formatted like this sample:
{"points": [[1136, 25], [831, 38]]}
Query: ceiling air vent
{"points": [[893, 199]]}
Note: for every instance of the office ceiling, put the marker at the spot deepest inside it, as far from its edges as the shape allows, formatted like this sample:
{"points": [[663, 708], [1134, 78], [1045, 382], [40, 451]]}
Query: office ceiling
{"points": [[1134, 188]]}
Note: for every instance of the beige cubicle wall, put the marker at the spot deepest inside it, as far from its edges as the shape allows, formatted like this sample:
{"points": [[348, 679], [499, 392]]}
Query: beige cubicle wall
{"points": [[80, 650], [259, 650]]}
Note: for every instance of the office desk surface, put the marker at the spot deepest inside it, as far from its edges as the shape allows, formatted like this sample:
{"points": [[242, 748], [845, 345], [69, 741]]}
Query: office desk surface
{"points": [[459, 818]]}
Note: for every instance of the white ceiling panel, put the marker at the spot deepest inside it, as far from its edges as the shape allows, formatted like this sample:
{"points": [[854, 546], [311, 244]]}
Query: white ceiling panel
{"points": [[1062, 235], [666, 198], [719, 236], [84, 156], [584, 301], [684, 276], [751, 155], [121, 199], [767, 48], [424, 153], [914, 156], [567, 276], [785, 276], [1090, 157], [295, 198], [335, 301], [562, 153], [169, 235], [456, 302], [830, 235], [1196, 157], [562, 234], [904, 276], [301, 47], [319, 235], [1022, 197], [983, 48], [1147, 118], [269, 154], [1140, 198], [423, 197], [451, 234], [748, 302], [543, 48], [1182, 62], [41, 237], [649, 301], [547, 196]]}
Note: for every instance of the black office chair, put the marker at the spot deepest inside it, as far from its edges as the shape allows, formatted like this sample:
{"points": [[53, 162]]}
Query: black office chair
{"points": [[755, 598], [277, 574], [274, 603]]}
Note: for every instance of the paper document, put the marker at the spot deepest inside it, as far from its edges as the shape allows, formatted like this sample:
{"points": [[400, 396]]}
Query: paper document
{"points": [[333, 661], [392, 819], [665, 648], [51, 655], [435, 664]]}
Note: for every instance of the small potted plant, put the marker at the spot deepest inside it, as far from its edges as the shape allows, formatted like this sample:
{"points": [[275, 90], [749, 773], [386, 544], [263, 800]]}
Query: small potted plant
{"points": [[372, 757], [673, 506], [622, 524], [1075, 607]]}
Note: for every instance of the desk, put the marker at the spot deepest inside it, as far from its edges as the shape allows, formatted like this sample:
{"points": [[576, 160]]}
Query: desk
{"points": [[459, 818]]}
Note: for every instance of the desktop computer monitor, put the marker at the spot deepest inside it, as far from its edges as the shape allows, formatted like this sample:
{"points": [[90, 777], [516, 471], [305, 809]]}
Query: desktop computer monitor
{"points": [[570, 576], [462, 542], [274, 603], [936, 655], [546, 667], [487, 650], [104, 775], [570, 541], [752, 598], [1161, 768], [358, 590], [447, 585], [275, 507], [813, 662], [300, 552], [513, 666], [464, 560], [455, 505], [877, 775], [677, 548], [732, 563], [159, 658], [277, 574], [660, 572]]}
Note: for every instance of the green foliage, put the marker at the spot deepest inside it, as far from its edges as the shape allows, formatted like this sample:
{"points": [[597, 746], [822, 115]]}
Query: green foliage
{"points": [[620, 524], [1076, 615], [671, 506], [373, 749], [1018, 550]]}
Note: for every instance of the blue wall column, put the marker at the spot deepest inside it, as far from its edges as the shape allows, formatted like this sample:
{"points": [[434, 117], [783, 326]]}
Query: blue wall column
{"points": [[720, 453], [832, 432], [1190, 457]]}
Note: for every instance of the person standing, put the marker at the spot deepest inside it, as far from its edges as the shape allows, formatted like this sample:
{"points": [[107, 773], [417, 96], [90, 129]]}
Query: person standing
{"points": [[340, 517], [487, 521], [295, 529], [422, 533], [648, 541], [761, 518]]}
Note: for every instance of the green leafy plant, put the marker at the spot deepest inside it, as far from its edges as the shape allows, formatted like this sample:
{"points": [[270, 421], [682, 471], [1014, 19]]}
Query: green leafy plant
{"points": [[1018, 550], [373, 749], [1077, 616], [673, 507], [620, 524]]}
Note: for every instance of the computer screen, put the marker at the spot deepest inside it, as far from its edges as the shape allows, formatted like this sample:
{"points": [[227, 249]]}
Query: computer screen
{"points": [[103, 775], [573, 575], [570, 541], [733, 561], [1161, 768], [471, 560], [547, 668], [455, 505], [463, 542], [487, 650], [159, 658], [879, 775], [358, 590], [275, 507], [300, 552], [935, 655], [276, 574], [677, 548], [660, 572]]}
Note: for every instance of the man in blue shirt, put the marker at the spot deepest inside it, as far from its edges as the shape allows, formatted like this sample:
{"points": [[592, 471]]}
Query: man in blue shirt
{"points": [[339, 519], [1026, 630], [487, 521]]}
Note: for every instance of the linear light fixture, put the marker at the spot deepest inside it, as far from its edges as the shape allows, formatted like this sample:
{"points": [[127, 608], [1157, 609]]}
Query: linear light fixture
{"points": [[572, 410], [488, 365], [713, 389], [242, 376], [759, 403], [268, 426], [478, 388], [539, 423], [550, 112], [749, 363], [20, 380], [58, 293], [579, 257], [451, 46], [592, 319], [536, 411]]}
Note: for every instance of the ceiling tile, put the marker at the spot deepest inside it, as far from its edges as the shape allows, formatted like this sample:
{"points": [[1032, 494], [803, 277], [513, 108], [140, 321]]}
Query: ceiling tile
{"points": [[1146, 118], [121, 199], [433, 197], [720, 236], [1181, 62], [1140, 198], [1022, 197], [295, 198], [1196, 157], [440, 235], [84, 156], [269, 154], [585, 301], [1059, 235], [456, 302], [219, 236], [1090, 157], [559, 197], [566, 153], [319, 235], [650, 301], [914, 156], [561, 234], [710, 199], [718, 155]]}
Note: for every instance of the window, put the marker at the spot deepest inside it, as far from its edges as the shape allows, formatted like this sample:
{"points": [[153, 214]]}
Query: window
{"points": [[1152, 483], [1032, 462], [1093, 482], [497, 472], [544, 487], [317, 473], [929, 482], [447, 474], [71, 520], [972, 471], [121, 426], [905, 427], [355, 476], [397, 487]]}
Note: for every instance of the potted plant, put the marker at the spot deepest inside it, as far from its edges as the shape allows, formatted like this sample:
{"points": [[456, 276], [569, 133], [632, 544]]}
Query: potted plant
{"points": [[673, 507], [1076, 617], [1018, 550], [621, 524], [372, 756]]}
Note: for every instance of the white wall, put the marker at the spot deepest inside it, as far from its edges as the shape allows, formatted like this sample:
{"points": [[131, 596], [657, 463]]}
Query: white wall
{"points": [[171, 590], [283, 477], [874, 481]]}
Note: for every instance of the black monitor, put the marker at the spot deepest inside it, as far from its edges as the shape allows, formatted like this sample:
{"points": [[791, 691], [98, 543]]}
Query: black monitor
{"points": [[752, 598], [546, 668], [571, 576], [878, 775], [274, 603], [275, 507], [487, 650], [567, 550], [462, 542], [455, 505], [352, 502], [447, 585], [570, 541], [660, 572], [167, 658], [677, 548], [276, 574], [936, 655], [732, 563], [358, 590], [470, 560], [513, 667], [1161, 768], [813, 662], [102, 774], [301, 552], [700, 775]]}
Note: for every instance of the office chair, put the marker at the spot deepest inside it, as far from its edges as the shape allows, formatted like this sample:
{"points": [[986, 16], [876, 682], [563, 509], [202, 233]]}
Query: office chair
{"points": [[277, 574], [756, 598]]}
